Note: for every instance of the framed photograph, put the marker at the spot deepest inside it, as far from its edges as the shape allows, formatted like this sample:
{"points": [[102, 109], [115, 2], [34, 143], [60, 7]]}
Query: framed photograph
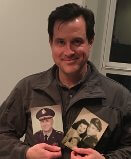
{"points": [[86, 131], [47, 125]]}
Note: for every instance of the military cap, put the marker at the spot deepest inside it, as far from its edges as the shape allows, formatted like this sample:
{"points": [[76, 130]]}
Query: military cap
{"points": [[97, 123], [45, 113]]}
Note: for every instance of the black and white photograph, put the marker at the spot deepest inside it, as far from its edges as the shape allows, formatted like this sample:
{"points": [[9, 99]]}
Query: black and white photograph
{"points": [[47, 125], [86, 131]]}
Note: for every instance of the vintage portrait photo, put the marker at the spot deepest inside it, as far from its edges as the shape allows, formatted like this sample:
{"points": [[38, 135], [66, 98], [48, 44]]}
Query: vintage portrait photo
{"points": [[86, 131], [47, 125]]}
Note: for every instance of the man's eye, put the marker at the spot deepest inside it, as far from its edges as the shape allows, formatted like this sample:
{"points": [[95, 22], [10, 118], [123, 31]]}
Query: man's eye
{"points": [[77, 42], [60, 42]]}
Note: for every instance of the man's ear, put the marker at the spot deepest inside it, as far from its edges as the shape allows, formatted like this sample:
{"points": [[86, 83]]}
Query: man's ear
{"points": [[50, 41], [91, 42], [52, 121]]}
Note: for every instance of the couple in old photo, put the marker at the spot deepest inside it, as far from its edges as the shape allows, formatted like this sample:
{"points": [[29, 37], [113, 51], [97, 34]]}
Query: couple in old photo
{"points": [[85, 132]]}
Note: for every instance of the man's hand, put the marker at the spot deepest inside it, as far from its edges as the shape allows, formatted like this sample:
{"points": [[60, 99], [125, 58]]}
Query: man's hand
{"points": [[43, 151], [82, 153]]}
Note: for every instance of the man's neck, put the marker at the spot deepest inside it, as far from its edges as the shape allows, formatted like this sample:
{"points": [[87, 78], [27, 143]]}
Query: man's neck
{"points": [[70, 80], [47, 132]]}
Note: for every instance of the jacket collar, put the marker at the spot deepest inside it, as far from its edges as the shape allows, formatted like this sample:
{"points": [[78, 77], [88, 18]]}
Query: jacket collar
{"points": [[91, 88], [47, 84]]}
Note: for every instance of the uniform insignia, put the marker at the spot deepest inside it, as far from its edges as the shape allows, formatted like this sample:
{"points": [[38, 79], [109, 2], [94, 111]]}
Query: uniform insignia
{"points": [[43, 111], [59, 132]]}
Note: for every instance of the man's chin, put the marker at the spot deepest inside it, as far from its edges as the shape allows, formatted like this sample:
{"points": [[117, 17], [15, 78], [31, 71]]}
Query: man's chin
{"points": [[71, 72], [47, 130]]}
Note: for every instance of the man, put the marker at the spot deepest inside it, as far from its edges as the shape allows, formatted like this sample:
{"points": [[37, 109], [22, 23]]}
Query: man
{"points": [[91, 139], [48, 134], [74, 83]]}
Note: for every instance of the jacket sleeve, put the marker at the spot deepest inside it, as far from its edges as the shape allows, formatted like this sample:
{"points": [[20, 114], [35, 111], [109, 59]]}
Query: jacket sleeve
{"points": [[123, 151], [13, 120]]}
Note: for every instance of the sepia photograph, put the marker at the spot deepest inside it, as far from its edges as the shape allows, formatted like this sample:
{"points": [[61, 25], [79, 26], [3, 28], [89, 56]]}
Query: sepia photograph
{"points": [[86, 131], [47, 125]]}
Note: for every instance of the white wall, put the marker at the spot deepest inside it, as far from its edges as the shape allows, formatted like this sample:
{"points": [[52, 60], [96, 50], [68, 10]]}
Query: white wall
{"points": [[99, 31], [24, 47]]}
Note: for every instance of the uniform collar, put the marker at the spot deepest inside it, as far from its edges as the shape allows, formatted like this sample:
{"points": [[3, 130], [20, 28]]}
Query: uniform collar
{"points": [[47, 84], [45, 79], [48, 134]]}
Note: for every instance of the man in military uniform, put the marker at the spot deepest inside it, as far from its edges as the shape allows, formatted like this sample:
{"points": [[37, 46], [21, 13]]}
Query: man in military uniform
{"points": [[91, 139], [48, 134]]}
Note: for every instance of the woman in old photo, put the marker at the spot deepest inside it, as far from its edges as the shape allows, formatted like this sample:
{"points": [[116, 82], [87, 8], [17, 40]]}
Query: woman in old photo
{"points": [[76, 133]]}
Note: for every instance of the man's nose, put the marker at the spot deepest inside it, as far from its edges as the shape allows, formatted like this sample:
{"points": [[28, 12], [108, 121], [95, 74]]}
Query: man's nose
{"points": [[69, 49]]}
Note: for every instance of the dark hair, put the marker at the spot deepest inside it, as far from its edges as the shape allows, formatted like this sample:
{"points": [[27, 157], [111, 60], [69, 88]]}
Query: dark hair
{"points": [[76, 125], [69, 12]]}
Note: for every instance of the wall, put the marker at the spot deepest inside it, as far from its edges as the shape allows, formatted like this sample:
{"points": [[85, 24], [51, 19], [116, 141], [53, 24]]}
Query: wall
{"points": [[24, 47], [99, 31]]}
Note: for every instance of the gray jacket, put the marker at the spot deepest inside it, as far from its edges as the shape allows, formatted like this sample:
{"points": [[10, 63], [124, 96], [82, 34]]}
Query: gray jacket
{"points": [[107, 99]]}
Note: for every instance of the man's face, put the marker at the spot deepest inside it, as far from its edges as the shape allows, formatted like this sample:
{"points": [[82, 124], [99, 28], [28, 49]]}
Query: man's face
{"points": [[92, 130], [70, 47], [46, 124]]}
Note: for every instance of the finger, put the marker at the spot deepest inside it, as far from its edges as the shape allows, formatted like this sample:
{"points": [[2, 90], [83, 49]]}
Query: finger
{"points": [[55, 154], [89, 157], [75, 155], [94, 155], [85, 151], [51, 148]]}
